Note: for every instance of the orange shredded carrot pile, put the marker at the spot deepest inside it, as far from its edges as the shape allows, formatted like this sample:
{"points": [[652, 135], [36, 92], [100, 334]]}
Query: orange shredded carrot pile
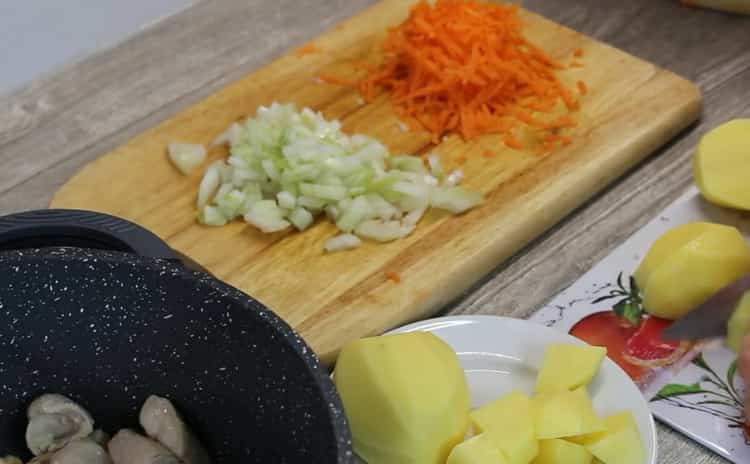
{"points": [[393, 276], [305, 50], [464, 66]]}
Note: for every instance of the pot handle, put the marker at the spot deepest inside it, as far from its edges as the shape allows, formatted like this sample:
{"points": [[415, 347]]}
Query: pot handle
{"points": [[81, 229]]}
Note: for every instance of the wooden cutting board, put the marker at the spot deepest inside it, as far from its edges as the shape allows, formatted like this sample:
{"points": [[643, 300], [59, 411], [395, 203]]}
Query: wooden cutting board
{"points": [[632, 108]]}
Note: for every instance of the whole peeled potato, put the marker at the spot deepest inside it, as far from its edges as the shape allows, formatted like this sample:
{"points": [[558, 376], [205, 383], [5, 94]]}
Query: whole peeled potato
{"points": [[688, 264], [721, 166], [405, 396]]}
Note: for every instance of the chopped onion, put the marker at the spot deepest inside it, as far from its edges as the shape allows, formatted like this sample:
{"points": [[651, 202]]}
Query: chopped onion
{"points": [[454, 178], [436, 168], [186, 156], [211, 216], [231, 203], [287, 166], [455, 199], [342, 242], [266, 216], [301, 218], [231, 136], [381, 231], [413, 218], [286, 200], [209, 184]]}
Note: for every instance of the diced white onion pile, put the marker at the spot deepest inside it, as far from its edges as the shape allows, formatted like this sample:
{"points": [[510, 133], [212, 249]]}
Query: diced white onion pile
{"points": [[287, 167]]}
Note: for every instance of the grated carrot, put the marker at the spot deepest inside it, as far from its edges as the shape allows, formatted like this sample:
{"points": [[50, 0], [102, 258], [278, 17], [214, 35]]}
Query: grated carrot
{"points": [[460, 159], [578, 52], [393, 276], [335, 80], [464, 66], [511, 142], [576, 64], [488, 154], [582, 89], [305, 50]]}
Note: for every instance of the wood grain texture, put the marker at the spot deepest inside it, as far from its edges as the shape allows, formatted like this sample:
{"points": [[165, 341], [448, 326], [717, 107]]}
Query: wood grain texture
{"points": [[59, 123], [632, 108]]}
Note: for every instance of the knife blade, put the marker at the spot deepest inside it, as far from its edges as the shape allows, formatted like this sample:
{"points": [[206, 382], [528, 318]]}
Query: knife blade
{"points": [[710, 318]]}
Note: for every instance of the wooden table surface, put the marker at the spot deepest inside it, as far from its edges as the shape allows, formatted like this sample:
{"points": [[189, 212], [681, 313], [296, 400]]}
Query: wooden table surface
{"points": [[55, 125]]}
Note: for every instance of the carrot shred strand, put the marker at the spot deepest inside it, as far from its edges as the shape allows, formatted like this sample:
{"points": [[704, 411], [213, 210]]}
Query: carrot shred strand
{"points": [[393, 276], [582, 88], [305, 50]]}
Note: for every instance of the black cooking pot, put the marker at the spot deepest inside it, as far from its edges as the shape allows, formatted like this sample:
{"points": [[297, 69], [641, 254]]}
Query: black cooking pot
{"points": [[101, 310]]}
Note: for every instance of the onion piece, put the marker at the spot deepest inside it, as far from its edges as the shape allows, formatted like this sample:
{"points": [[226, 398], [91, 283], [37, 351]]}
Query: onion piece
{"points": [[267, 217], [342, 242], [186, 156], [384, 231], [209, 184], [301, 218], [454, 178], [455, 199], [211, 216]]}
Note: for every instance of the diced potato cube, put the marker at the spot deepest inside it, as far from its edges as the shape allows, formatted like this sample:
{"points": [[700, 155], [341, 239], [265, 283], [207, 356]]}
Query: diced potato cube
{"points": [[619, 443], [568, 366], [565, 414], [509, 423], [558, 451], [477, 450]]}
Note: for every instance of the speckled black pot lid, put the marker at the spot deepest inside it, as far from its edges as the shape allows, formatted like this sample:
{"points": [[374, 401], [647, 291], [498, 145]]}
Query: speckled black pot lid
{"points": [[110, 328]]}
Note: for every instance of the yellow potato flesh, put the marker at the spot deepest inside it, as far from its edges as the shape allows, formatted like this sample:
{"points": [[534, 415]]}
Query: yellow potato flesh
{"points": [[620, 443], [567, 367], [477, 450], [405, 396], [565, 414], [665, 246], [562, 452], [739, 323], [509, 423], [721, 166], [695, 269]]}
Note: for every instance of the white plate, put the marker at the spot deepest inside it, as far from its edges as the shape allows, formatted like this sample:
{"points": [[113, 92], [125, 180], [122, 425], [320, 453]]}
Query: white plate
{"points": [[501, 354]]}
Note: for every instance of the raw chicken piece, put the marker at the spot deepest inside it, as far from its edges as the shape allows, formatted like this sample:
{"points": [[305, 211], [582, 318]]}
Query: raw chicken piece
{"points": [[128, 447], [163, 423], [55, 421]]}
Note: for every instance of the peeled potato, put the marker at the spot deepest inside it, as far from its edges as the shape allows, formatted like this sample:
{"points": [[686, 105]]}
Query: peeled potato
{"points": [[565, 414], [508, 422], [558, 451], [405, 396], [477, 450], [701, 257], [721, 165], [568, 366], [619, 443], [665, 246], [739, 323]]}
